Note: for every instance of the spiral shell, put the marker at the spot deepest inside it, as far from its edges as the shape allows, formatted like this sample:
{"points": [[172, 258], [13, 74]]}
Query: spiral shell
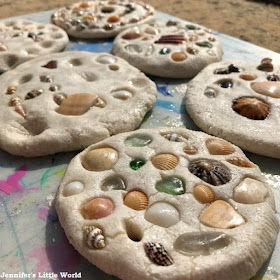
{"points": [[94, 237], [174, 137], [11, 90], [219, 147], [136, 200], [203, 194], [17, 103], [157, 253], [33, 93], [240, 161], [165, 161], [59, 97]]}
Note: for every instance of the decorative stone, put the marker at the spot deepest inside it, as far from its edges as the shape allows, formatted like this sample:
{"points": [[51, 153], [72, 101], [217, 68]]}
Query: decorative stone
{"points": [[204, 44], [136, 200], [201, 243], [51, 64], [250, 191], [225, 84], [162, 214], [220, 214], [151, 30], [11, 90], [165, 51], [230, 69], [73, 188], [203, 194], [266, 65], [217, 146], [157, 254], [113, 183], [132, 34], [113, 19], [179, 56], [122, 94], [210, 92], [137, 141], [171, 185], [136, 164], [267, 88], [247, 76], [133, 48], [106, 59]]}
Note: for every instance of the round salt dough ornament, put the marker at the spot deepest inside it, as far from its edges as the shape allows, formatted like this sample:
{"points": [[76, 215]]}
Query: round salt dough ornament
{"points": [[67, 101], [201, 217], [102, 19], [240, 102], [22, 40], [174, 49]]}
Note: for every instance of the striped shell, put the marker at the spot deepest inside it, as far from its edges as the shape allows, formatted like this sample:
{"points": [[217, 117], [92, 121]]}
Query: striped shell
{"points": [[174, 137], [240, 161], [94, 237], [190, 150], [219, 147], [165, 161], [203, 194], [33, 93], [157, 253], [136, 200]]}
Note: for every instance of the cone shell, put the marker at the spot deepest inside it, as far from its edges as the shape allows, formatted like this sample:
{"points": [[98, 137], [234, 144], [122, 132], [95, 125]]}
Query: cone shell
{"points": [[219, 147], [220, 214], [240, 161], [157, 253], [190, 150], [136, 200], [165, 161], [268, 88], [77, 104], [94, 237], [203, 194]]}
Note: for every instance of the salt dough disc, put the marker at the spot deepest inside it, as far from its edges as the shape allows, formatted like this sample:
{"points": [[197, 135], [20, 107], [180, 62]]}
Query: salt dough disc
{"points": [[157, 171], [102, 19], [67, 101], [174, 49], [242, 107], [22, 40]]}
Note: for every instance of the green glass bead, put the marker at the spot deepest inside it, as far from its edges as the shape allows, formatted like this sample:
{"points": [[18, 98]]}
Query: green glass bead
{"points": [[136, 164], [192, 27], [137, 141], [204, 44], [171, 185], [165, 51]]}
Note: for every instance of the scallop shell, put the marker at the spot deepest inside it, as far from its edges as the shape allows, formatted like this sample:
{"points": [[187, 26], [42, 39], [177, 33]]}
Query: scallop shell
{"points": [[190, 150], [203, 194], [11, 90], [219, 147], [251, 108], [268, 88], [77, 104], [136, 200], [100, 159], [220, 214], [174, 137], [94, 237], [266, 65], [157, 253], [240, 161], [165, 161], [210, 171]]}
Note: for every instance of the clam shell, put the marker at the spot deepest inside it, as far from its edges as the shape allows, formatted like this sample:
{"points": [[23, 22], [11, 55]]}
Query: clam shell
{"points": [[240, 161], [219, 147], [190, 150], [165, 161], [157, 253], [203, 194], [220, 214], [97, 208], [100, 159], [94, 237], [268, 88], [136, 200], [247, 76]]}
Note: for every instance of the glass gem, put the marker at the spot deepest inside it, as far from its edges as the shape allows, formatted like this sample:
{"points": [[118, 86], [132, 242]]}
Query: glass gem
{"points": [[210, 92], [136, 164], [165, 51], [113, 183], [226, 84], [137, 141], [204, 44], [171, 185]]}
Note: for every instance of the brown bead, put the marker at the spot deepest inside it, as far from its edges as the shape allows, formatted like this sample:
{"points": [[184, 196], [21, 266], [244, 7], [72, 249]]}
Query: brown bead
{"points": [[179, 56]]}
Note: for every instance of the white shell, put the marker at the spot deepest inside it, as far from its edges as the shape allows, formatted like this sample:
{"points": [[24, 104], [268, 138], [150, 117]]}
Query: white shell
{"points": [[73, 188], [106, 59], [122, 94], [162, 214]]}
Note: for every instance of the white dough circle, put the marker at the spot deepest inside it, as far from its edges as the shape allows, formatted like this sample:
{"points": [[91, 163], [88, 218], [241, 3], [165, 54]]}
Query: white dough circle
{"points": [[65, 102], [22, 40], [174, 49], [170, 211], [240, 102], [102, 19]]}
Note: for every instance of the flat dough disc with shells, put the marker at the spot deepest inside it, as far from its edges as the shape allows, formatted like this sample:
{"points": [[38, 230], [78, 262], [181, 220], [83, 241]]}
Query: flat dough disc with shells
{"points": [[67, 101], [174, 49], [102, 19], [22, 40], [240, 102], [168, 203]]}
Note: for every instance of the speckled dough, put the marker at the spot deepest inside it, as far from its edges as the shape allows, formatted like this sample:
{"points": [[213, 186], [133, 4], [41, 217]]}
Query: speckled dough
{"points": [[22, 40], [213, 112], [31, 94], [102, 19], [126, 231], [175, 49]]}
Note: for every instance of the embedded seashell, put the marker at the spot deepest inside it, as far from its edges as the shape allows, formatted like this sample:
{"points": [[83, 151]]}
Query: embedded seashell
{"points": [[171, 185], [220, 214], [100, 103], [136, 200], [192, 50], [165, 161], [250, 191], [193, 38], [230, 69], [87, 19], [113, 19], [94, 237], [210, 92], [219, 147], [122, 94], [107, 9], [175, 39], [240, 161], [85, 5], [179, 56], [204, 44], [20, 110], [53, 88], [137, 141], [171, 23], [11, 90], [59, 97], [17, 103], [108, 26], [192, 27], [133, 48], [77, 104], [113, 183], [132, 34], [248, 76], [3, 48], [268, 88], [266, 65], [33, 93], [73, 188], [151, 30], [273, 78], [162, 214], [51, 64], [100, 159], [210, 171], [157, 253], [106, 59], [225, 83], [251, 108], [97, 208], [201, 243], [190, 150], [203, 194], [174, 137]]}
